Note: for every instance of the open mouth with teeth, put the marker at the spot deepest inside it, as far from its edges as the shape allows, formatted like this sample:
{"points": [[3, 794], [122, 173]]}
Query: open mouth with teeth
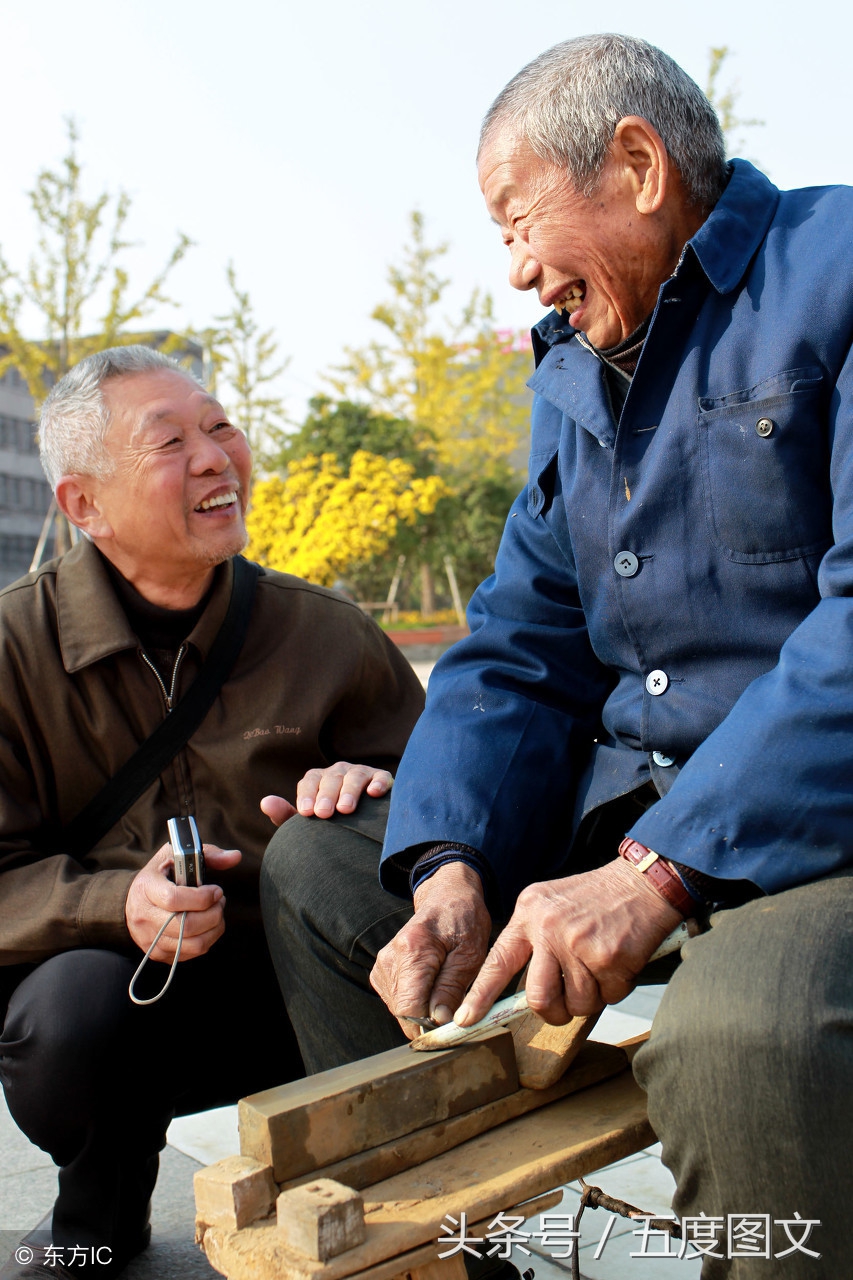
{"points": [[572, 299], [221, 500]]}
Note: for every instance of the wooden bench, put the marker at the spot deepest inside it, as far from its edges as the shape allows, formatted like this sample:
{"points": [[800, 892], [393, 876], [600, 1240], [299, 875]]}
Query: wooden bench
{"points": [[357, 1171]]}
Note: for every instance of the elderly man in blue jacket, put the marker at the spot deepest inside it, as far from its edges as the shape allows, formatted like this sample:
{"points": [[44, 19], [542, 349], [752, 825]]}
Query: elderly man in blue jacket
{"points": [[653, 714]]}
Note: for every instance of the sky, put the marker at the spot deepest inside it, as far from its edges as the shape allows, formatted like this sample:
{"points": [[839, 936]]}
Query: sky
{"points": [[294, 139]]}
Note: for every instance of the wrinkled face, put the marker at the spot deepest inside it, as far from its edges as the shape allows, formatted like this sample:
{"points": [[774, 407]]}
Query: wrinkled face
{"points": [[176, 501], [596, 257]]}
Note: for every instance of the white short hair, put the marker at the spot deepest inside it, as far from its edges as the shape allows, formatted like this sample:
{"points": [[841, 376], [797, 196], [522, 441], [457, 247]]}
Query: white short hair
{"points": [[566, 105], [74, 419]]}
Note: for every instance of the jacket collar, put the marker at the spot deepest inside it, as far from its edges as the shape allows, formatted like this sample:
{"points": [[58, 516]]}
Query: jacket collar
{"points": [[92, 623], [731, 235]]}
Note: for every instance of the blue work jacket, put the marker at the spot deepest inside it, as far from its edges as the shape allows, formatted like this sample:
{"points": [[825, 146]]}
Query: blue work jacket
{"points": [[672, 593]]}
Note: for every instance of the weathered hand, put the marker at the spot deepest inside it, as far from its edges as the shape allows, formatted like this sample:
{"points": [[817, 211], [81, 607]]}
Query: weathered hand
{"points": [[586, 937], [153, 897], [427, 967], [322, 791]]}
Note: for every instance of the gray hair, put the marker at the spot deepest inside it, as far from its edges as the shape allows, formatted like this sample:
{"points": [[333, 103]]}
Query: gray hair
{"points": [[74, 419], [567, 103]]}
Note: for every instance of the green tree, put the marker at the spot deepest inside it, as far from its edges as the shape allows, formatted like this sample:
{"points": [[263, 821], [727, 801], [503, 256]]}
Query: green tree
{"points": [[724, 101], [76, 286], [459, 383], [243, 368], [461, 386], [342, 428]]}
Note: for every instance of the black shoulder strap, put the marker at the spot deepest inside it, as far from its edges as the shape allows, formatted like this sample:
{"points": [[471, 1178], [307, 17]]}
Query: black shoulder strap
{"points": [[150, 759]]}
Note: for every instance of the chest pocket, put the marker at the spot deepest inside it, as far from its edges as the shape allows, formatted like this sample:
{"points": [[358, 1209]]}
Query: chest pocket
{"points": [[765, 469]]}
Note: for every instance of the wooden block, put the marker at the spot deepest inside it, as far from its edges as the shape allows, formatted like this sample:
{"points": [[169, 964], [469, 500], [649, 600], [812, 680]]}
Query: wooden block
{"points": [[594, 1062], [309, 1124], [321, 1219], [509, 1164], [233, 1193], [542, 1052]]}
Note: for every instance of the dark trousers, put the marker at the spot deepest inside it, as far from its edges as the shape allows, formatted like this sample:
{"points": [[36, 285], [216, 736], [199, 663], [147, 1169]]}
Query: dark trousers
{"points": [[749, 1073], [326, 917], [94, 1080], [750, 1062]]}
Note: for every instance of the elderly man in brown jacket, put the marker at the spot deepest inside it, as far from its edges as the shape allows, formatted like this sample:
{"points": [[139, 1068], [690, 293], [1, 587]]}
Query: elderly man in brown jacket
{"points": [[98, 650]]}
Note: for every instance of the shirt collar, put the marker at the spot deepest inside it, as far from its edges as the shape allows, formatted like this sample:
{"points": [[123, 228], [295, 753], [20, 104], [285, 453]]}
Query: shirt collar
{"points": [[92, 623]]}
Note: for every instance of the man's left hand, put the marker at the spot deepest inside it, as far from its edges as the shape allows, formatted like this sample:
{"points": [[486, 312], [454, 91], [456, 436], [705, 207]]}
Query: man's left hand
{"points": [[322, 792], [586, 937]]}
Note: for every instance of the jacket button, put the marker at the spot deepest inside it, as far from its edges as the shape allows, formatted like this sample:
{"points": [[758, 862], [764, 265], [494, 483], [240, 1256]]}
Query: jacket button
{"points": [[764, 426], [626, 564], [661, 760], [657, 682]]}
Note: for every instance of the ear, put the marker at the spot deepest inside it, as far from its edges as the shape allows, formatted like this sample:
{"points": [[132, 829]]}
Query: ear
{"points": [[638, 148], [77, 499]]}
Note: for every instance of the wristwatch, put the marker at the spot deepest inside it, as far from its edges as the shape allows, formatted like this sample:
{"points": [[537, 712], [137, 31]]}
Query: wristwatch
{"points": [[659, 874]]}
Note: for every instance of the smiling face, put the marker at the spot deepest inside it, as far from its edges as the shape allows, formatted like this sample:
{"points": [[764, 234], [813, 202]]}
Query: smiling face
{"points": [[175, 503], [601, 257]]}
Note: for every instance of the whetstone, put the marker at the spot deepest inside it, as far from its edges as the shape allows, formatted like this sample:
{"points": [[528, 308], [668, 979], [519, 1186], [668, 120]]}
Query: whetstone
{"points": [[309, 1124]]}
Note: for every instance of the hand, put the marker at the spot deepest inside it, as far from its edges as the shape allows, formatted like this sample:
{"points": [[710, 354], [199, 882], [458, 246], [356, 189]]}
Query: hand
{"points": [[586, 937], [322, 791], [153, 897], [427, 967]]}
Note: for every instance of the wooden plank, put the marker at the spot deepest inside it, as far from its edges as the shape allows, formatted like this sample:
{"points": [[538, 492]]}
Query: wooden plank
{"points": [[417, 1260], [305, 1126], [594, 1062], [543, 1053], [517, 1160]]}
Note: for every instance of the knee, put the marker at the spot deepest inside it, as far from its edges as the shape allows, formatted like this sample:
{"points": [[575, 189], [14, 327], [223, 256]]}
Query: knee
{"points": [[71, 1007], [759, 999], [292, 870], [315, 868]]}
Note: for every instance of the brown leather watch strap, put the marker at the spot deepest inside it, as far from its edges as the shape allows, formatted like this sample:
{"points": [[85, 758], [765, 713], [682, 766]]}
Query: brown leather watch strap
{"points": [[659, 874]]}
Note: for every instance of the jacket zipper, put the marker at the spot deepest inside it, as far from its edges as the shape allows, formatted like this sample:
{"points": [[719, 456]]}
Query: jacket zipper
{"points": [[168, 694]]}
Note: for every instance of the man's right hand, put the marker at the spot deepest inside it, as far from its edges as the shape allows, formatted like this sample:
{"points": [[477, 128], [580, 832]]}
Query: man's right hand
{"points": [[427, 968], [153, 896]]}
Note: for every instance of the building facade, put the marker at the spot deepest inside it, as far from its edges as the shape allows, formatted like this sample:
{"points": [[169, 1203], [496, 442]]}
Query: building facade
{"points": [[24, 492]]}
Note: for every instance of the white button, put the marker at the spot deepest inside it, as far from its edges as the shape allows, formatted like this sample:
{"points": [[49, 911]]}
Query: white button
{"points": [[661, 760], [626, 564], [656, 682]]}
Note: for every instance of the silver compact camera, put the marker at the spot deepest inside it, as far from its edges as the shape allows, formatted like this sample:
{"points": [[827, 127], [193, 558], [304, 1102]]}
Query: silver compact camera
{"points": [[187, 851]]}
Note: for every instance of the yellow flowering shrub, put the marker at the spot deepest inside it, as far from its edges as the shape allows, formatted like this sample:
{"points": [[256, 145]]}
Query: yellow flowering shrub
{"points": [[321, 522]]}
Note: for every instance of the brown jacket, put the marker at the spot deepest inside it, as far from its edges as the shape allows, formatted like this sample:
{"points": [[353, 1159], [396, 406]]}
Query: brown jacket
{"points": [[316, 682]]}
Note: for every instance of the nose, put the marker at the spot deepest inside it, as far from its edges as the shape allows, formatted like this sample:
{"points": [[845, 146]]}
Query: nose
{"points": [[523, 268], [209, 455]]}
